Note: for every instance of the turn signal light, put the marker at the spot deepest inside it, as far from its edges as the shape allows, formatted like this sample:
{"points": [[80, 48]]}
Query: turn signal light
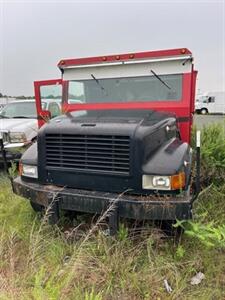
{"points": [[178, 181]]}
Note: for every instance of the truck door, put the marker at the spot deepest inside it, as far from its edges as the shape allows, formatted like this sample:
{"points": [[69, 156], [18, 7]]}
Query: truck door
{"points": [[48, 96]]}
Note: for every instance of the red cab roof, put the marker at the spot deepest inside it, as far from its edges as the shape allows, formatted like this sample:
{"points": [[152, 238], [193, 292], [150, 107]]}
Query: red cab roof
{"points": [[123, 57]]}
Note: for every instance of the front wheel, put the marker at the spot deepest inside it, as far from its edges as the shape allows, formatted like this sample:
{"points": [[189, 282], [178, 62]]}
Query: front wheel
{"points": [[204, 111]]}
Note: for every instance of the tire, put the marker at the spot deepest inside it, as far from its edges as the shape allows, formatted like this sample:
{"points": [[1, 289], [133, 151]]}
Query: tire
{"points": [[37, 207], [204, 111]]}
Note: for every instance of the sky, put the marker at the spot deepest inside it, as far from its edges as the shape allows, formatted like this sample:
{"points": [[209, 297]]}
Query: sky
{"points": [[35, 35]]}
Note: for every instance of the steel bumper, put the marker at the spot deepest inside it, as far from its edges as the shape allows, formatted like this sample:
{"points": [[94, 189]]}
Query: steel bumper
{"points": [[129, 206]]}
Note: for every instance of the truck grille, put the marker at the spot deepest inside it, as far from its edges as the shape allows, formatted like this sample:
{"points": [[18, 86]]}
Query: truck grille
{"points": [[98, 153]]}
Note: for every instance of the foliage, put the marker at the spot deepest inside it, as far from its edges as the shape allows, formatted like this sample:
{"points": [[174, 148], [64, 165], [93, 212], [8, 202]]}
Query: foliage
{"points": [[208, 234], [80, 262], [212, 154]]}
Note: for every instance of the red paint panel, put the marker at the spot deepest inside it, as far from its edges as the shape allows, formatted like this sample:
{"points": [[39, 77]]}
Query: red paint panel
{"points": [[180, 108], [122, 57], [193, 88], [42, 114]]}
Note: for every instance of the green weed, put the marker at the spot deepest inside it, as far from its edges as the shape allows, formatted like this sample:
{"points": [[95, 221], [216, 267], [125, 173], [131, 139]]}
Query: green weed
{"points": [[212, 154], [38, 261]]}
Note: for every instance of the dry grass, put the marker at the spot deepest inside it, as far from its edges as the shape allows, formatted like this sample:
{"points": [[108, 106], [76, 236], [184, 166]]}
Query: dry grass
{"points": [[78, 261], [42, 262]]}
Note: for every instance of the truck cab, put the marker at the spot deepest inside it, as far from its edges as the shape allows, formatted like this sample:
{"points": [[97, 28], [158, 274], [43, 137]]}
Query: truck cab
{"points": [[122, 139]]}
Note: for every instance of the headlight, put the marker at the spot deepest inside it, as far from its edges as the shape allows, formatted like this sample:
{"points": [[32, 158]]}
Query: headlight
{"points": [[28, 171], [17, 137], [153, 182]]}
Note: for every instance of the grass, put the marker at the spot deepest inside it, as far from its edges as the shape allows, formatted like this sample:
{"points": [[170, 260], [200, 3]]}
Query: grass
{"points": [[73, 261]]}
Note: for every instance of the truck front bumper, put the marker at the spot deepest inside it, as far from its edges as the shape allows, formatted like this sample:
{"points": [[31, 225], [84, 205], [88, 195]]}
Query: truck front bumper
{"points": [[129, 206]]}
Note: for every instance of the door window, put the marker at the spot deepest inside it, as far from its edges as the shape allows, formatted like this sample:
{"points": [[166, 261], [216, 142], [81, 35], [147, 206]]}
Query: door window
{"points": [[54, 109]]}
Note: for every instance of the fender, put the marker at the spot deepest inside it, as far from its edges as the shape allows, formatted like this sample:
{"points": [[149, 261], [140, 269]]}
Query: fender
{"points": [[171, 158], [30, 155]]}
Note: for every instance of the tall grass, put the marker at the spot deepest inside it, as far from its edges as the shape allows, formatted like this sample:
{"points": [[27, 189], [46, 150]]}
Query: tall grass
{"points": [[212, 154], [38, 261]]}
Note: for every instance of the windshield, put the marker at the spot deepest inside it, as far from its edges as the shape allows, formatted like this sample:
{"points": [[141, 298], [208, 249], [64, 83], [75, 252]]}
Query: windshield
{"points": [[19, 110], [126, 89]]}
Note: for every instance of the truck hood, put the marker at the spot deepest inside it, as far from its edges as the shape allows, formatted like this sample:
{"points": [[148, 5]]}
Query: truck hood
{"points": [[17, 125], [127, 121], [137, 124], [101, 149]]}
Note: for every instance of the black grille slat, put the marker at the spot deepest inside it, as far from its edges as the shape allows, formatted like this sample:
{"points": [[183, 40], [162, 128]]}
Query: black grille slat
{"points": [[80, 156], [103, 138], [89, 159], [77, 153], [110, 154], [88, 143], [82, 166], [83, 146]]}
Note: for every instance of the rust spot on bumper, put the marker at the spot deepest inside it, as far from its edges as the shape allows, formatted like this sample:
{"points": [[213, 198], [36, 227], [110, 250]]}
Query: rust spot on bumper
{"points": [[96, 202]]}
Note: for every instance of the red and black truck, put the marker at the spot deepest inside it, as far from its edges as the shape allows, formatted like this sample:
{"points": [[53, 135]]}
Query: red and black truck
{"points": [[123, 137]]}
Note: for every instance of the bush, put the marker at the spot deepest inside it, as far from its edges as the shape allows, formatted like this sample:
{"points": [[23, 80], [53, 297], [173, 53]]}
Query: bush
{"points": [[38, 261], [212, 154]]}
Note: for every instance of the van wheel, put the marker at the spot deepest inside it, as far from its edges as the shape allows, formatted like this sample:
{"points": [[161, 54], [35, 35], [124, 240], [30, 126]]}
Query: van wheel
{"points": [[37, 207], [204, 111]]}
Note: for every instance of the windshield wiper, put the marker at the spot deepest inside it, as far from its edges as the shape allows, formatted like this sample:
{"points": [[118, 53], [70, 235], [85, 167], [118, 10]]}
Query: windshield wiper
{"points": [[99, 84], [160, 79]]}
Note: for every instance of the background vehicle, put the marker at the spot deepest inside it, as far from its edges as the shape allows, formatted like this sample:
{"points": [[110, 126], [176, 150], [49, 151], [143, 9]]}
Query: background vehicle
{"points": [[213, 102], [4, 101], [126, 144], [1, 107], [19, 126]]}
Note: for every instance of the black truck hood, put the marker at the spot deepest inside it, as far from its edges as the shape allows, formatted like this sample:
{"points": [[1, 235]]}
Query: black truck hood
{"points": [[130, 138], [109, 121]]}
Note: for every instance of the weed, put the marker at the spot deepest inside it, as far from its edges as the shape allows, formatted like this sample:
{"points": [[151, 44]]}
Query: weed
{"points": [[212, 154], [38, 261]]}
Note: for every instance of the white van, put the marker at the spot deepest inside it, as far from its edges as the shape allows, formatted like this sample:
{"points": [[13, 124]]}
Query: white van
{"points": [[213, 102]]}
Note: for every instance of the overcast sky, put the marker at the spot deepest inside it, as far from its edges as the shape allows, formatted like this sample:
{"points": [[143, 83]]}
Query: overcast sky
{"points": [[34, 36]]}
